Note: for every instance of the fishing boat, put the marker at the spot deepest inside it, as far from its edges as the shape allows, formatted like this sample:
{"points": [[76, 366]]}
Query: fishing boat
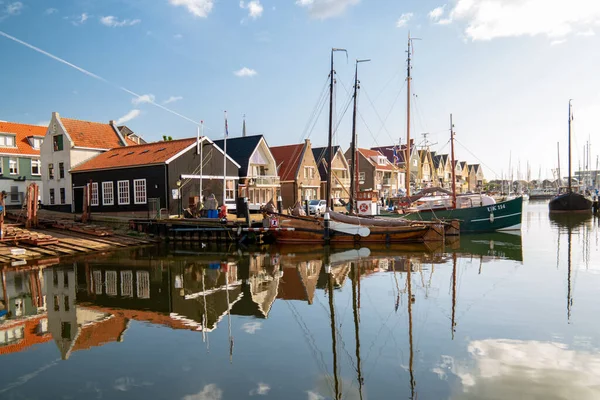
{"points": [[568, 199], [477, 213], [334, 227]]}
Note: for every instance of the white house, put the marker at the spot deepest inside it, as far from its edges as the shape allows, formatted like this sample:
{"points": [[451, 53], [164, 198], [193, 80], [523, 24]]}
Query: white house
{"points": [[68, 143]]}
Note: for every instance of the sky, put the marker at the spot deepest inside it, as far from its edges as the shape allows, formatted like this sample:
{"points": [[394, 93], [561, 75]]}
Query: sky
{"points": [[505, 69]]}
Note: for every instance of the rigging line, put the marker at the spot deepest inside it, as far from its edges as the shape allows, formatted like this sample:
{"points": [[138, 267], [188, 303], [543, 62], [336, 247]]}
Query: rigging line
{"points": [[377, 114], [392, 107], [316, 112], [360, 115], [482, 163], [93, 75], [398, 71]]}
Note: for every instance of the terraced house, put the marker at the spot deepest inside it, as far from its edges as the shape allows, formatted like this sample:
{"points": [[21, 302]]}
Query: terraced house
{"points": [[298, 172], [19, 159]]}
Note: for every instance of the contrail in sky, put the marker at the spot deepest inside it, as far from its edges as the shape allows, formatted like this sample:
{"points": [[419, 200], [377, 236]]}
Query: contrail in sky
{"points": [[88, 73]]}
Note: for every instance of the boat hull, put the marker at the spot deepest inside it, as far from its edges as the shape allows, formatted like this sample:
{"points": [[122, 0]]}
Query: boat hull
{"points": [[312, 231], [504, 216], [570, 202]]}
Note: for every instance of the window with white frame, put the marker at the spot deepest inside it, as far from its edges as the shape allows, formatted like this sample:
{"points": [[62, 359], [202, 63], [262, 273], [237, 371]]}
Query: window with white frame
{"points": [[139, 191], [36, 167], [94, 194], [51, 196], [127, 283], [230, 189], [111, 283], [108, 195], [123, 187], [13, 166], [7, 141], [97, 281], [142, 284]]}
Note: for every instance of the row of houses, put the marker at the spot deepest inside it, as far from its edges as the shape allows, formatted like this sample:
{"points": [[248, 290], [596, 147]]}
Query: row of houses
{"points": [[126, 174]]}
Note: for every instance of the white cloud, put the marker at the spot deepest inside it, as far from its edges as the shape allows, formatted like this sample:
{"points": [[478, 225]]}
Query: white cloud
{"points": [[558, 41], [255, 9], [245, 72], [50, 11], [208, 392], [262, 390], [323, 9], [403, 20], [314, 396], [80, 19], [14, 8], [128, 117], [508, 369], [126, 383], [436, 13], [145, 98], [44, 123], [490, 19], [172, 99], [251, 327], [113, 22], [177, 36], [589, 32], [199, 8]]}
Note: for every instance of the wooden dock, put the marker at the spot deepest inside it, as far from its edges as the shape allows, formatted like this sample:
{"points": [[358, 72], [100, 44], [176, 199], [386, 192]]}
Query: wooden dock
{"points": [[55, 239]]}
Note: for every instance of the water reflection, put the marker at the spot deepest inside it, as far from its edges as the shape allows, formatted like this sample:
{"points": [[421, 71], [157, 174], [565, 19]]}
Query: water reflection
{"points": [[346, 323]]}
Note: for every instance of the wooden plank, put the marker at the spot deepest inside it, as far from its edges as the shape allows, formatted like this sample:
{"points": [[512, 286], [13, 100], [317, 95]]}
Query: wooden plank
{"points": [[71, 247], [60, 249], [86, 243], [45, 251]]}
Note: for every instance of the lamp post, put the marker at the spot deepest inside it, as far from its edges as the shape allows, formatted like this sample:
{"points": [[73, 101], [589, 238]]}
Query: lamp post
{"points": [[179, 196]]}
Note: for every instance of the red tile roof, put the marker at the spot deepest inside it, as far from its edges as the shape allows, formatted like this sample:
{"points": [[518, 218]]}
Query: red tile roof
{"points": [[30, 335], [93, 135], [22, 132], [288, 159], [143, 154], [100, 333], [372, 153]]}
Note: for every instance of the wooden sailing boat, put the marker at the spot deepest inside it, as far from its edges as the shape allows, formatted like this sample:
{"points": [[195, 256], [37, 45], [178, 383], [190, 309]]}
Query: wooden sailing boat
{"points": [[569, 200], [338, 228]]}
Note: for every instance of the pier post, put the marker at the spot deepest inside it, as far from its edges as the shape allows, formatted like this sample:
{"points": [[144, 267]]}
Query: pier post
{"points": [[306, 207], [279, 205], [246, 211], [326, 233]]}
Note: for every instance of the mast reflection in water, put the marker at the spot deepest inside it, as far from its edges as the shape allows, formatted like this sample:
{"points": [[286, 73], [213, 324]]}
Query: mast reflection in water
{"points": [[323, 323]]}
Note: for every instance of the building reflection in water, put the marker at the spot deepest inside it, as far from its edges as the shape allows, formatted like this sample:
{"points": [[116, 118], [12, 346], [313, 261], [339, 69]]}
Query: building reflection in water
{"points": [[90, 303]]}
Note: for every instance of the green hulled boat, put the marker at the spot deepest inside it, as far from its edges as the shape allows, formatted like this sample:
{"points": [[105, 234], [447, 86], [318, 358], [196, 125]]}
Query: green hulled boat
{"points": [[503, 216]]}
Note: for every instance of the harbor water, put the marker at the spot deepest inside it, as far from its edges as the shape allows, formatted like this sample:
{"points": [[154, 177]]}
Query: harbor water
{"points": [[493, 316]]}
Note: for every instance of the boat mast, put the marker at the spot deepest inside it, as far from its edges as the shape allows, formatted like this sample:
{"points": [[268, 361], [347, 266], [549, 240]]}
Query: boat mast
{"points": [[453, 166], [330, 137], [558, 151], [410, 332], [338, 394], [407, 155], [354, 150], [453, 293], [570, 118]]}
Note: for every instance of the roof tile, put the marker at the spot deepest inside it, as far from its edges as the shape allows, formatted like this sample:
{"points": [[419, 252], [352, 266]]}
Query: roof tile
{"points": [[130, 156], [288, 158], [93, 135], [22, 132]]}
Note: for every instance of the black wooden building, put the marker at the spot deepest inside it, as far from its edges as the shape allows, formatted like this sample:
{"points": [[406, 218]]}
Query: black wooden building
{"points": [[166, 175]]}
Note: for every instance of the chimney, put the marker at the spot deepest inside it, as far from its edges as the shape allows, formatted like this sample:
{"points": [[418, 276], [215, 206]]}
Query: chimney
{"points": [[244, 127], [55, 114], [112, 122]]}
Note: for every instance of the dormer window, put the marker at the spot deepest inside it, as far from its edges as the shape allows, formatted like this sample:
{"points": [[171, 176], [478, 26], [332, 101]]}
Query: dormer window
{"points": [[35, 142], [381, 160], [7, 141]]}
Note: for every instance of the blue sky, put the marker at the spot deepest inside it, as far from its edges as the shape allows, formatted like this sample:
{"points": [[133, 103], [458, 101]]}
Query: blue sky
{"points": [[504, 68]]}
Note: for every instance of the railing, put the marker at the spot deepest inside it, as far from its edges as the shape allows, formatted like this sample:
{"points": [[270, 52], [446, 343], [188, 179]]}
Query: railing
{"points": [[266, 180], [339, 182]]}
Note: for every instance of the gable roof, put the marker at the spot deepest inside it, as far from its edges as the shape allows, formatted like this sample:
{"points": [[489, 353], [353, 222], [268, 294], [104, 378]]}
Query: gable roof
{"points": [[321, 155], [373, 153], [130, 156], [93, 135], [241, 149], [22, 132], [463, 164], [288, 159], [436, 161]]}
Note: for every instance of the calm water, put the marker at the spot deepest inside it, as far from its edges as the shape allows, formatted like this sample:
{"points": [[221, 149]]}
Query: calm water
{"points": [[488, 317]]}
